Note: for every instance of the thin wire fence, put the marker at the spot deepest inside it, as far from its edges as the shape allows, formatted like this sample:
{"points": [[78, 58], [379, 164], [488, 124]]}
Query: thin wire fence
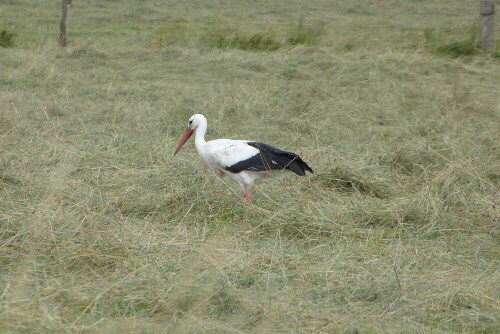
{"points": [[242, 24]]}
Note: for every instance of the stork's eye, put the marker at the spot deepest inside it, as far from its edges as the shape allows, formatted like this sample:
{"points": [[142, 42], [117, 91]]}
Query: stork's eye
{"points": [[190, 122]]}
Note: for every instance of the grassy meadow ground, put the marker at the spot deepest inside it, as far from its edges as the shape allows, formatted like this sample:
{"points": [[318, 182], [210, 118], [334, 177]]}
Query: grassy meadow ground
{"points": [[103, 231]]}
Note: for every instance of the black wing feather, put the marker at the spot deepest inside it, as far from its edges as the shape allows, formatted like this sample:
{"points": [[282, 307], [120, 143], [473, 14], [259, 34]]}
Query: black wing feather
{"points": [[271, 158]]}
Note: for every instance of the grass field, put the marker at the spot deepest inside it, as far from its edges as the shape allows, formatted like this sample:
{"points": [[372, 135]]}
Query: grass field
{"points": [[103, 231]]}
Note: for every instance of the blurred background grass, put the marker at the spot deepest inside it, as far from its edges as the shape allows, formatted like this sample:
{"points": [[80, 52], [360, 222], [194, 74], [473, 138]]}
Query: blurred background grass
{"points": [[102, 231]]}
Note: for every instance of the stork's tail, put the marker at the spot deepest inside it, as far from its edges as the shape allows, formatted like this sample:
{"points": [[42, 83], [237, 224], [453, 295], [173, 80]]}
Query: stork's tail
{"points": [[274, 158]]}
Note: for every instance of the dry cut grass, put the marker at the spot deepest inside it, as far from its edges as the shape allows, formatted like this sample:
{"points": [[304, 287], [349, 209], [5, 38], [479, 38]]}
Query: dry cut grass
{"points": [[103, 231]]}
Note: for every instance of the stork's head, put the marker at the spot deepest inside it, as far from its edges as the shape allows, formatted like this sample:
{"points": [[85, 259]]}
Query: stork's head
{"points": [[194, 122]]}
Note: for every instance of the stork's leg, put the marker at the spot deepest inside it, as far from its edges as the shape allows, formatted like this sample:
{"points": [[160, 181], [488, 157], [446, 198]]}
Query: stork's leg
{"points": [[247, 196], [245, 186]]}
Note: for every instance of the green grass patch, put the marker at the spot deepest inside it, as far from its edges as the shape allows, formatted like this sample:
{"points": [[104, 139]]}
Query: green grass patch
{"points": [[459, 49], [228, 39], [7, 39], [305, 35], [466, 47]]}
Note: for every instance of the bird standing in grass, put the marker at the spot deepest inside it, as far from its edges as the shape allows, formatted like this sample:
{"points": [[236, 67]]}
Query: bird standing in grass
{"points": [[244, 161]]}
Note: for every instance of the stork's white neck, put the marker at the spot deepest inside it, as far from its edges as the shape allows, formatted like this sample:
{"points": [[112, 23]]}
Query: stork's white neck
{"points": [[199, 136]]}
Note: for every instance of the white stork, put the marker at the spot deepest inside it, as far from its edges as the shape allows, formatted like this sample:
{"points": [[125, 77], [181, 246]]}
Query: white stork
{"points": [[244, 161]]}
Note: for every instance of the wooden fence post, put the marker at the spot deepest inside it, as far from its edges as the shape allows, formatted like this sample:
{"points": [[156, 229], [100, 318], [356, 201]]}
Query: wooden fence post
{"points": [[64, 22], [487, 24]]}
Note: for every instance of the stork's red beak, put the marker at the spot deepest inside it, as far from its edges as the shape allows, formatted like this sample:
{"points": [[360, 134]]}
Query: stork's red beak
{"points": [[184, 139]]}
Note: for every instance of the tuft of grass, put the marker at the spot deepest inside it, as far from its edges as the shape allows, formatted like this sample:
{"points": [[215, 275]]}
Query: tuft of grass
{"points": [[464, 48], [459, 49], [223, 304], [227, 39], [305, 35], [344, 179], [6, 39]]}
